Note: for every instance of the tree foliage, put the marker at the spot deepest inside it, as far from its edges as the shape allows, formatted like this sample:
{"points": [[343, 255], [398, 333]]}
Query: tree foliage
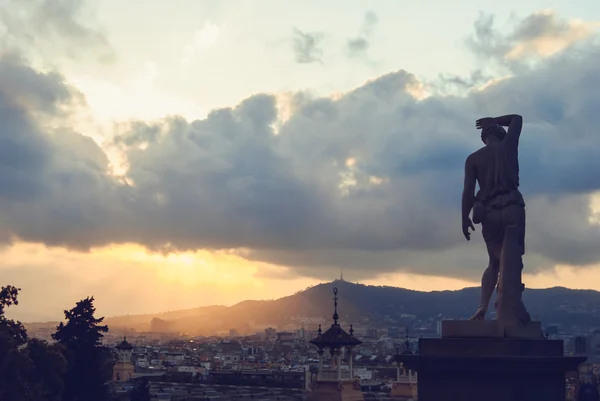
{"points": [[82, 329], [30, 370], [89, 364], [13, 330], [76, 368], [49, 367]]}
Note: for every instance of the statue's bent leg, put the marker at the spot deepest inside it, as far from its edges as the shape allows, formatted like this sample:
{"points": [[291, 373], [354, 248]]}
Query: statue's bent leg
{"points": [[492, 230], [489, 280]]}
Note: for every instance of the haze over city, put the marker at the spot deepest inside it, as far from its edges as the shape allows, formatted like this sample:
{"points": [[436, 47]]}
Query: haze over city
{"points": [[168, 155]]}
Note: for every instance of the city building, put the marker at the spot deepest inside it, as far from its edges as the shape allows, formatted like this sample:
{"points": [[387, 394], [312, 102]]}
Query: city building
{"points": [[124, 369], [333, 383]]}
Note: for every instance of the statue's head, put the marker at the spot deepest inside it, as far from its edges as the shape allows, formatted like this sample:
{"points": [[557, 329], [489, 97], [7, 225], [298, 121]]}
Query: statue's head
{"points": [[492, 133]]}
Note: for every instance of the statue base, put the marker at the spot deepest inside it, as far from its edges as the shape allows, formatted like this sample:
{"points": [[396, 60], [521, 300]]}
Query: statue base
{"points": [[489, 329], [329, 390], [491, 369], [404, 390]]}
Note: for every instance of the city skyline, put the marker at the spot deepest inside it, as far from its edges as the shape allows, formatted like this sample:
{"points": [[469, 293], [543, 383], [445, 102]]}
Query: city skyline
{"points": [[163, 157]]}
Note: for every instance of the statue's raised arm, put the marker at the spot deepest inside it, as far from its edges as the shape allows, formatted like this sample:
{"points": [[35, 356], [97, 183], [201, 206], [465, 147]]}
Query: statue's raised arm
{"points": [[514, 122]]}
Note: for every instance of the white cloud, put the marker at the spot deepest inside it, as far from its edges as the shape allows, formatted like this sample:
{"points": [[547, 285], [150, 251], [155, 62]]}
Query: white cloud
{"points": [[203, 39]]}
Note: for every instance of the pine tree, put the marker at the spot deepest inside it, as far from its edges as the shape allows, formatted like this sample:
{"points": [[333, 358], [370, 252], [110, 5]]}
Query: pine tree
{"points": [[82, 328], [89, 364]]}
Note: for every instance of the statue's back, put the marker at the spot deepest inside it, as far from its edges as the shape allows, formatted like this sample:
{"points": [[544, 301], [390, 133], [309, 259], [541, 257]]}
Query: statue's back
{"points": [[497, 170]]}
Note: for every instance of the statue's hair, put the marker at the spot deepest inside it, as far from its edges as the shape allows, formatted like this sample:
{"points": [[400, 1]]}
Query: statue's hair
{"points": [[497, 130]]}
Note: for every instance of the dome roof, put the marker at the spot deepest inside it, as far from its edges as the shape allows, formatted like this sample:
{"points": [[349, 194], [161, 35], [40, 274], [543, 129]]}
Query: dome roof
{"points": [[335, 337], [124, 345]]}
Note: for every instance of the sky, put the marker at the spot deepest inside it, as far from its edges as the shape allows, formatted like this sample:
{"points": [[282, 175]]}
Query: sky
{"points": [[167, 155]]}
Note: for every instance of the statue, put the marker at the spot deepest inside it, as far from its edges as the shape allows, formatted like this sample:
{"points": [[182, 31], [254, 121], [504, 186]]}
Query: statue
{"points": [[500, 209]]}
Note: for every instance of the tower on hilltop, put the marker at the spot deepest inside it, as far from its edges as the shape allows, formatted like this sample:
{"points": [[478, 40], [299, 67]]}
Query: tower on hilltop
{"points": [[123, 370]]}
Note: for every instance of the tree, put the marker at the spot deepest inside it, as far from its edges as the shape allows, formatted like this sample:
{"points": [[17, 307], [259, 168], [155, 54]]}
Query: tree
{"points": [[89, 364], [14, 330], [14, 367], [82, 328], [141, 391], [30, 370], [49, 366]]}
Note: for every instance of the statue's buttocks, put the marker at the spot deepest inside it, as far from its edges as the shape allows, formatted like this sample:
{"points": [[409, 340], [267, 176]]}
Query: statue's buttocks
{"points": [[498, 202]]}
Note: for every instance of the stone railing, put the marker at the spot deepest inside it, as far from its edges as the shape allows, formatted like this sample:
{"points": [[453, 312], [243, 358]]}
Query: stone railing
{"points": [[332, 375], [407, 379]]}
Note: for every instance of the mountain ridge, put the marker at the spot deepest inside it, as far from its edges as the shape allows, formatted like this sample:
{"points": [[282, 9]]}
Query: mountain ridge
{"points": [[380, 305]]}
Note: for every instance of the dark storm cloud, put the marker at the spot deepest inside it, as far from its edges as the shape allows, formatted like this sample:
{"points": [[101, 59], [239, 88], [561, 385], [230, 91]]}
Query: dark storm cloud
{"points": [[307, 46], [54, 186], [24, 151], [449, 82], [370, 181], [540, 25], [486, 41], [358, 46], [228, 181], [54, 26]]}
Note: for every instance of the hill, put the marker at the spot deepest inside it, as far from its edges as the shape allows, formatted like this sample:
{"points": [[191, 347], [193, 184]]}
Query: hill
{"points": [[379, 305]]}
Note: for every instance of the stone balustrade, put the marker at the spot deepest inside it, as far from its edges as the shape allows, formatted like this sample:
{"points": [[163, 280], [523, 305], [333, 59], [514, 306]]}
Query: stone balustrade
{"points": [[332, 375]]}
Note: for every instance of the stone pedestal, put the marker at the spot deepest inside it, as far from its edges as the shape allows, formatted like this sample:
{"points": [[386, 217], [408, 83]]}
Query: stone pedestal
{"points": [[404, 390], [510, 309], [330, 390], [491, 369], [490, 329]]}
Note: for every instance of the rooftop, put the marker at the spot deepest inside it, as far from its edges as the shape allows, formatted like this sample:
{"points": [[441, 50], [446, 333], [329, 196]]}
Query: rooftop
{"points": [[124, 345], [335, 337]]}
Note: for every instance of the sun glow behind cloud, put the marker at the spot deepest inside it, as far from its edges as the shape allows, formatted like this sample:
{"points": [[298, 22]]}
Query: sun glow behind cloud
{"points": [[203, 39], [136, 98], [126, 279]]}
